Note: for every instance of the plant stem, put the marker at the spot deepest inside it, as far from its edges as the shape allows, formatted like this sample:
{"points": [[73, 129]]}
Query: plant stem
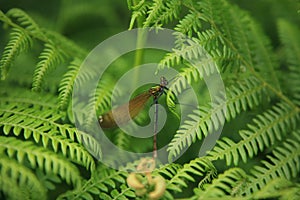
{"points": [[141, 37]]}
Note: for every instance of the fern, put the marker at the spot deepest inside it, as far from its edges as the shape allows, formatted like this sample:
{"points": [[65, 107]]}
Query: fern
{"points": [[100, 185], [161, 12], [39, 157], [66, 84], [42, 126], [197, 167], [288, 35], [138, 11], [18, 43], [56, 48], [15, 177], [50, 57], [98, 101], [189, 24], [205, 120], [24, 20], [268, 128], [44, 156], [232, 182], [284, 163], [278, 188]]}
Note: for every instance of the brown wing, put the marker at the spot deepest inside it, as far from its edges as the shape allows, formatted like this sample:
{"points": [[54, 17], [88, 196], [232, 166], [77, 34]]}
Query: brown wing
{"points": [[135, 105]]}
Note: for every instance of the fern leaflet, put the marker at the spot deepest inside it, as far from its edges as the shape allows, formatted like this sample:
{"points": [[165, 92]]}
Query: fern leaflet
{"points": [[196, 167], [50, 58], [40, 124], [19, 42], [39, 157], [232, 182], [24, 20], [290, 41], [16, 177], [269, 127], [284, 163], [67, 83], [205, 120]]}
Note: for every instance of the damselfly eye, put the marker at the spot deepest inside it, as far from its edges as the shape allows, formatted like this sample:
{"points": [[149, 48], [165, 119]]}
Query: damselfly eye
{"points": [[163, 81]]}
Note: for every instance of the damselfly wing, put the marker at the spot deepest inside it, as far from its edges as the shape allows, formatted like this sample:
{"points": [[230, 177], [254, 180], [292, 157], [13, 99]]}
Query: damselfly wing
{"points": [[120, 116]]}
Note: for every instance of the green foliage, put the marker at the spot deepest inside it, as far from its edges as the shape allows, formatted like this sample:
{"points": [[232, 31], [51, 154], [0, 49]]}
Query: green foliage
{"points": [[44, 156], [106, 184], [19, 42]]}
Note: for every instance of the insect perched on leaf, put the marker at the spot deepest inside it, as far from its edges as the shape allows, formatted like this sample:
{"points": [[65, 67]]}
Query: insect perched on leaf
{"points": [[120, 116]]}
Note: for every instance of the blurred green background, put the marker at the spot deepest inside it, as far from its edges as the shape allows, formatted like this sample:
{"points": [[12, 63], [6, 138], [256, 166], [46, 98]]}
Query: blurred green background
{"points": [[92, 21], [85, 22]]}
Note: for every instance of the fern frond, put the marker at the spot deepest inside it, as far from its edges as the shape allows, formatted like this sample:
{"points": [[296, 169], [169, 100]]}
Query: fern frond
{"points": [[206, 119], [231, 183], [269, 127], [161, 12], [32, 127], [233, 22], [138, 11], [278, 188], [210, 175], [51, 57], [105, 184], [89, 142], [67, 83], [40, 124], [181, 81], [19, 42], [103, 95], [243, 36], [98, 101], [15, 177], [197, 167], [191, 52], [246, 94], [289, 38], [263, 56], [39, 157], [70, 48], [189, 24], [168, 171], [121, 139], [284, 163], [24, 20]]}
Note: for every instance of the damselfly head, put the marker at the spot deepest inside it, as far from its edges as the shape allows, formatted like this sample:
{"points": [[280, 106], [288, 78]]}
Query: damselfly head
{"points": [[163, 81]]}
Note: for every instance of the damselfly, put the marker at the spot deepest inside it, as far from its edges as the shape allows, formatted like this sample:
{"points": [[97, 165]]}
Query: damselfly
{"points": [[120, 116]]}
